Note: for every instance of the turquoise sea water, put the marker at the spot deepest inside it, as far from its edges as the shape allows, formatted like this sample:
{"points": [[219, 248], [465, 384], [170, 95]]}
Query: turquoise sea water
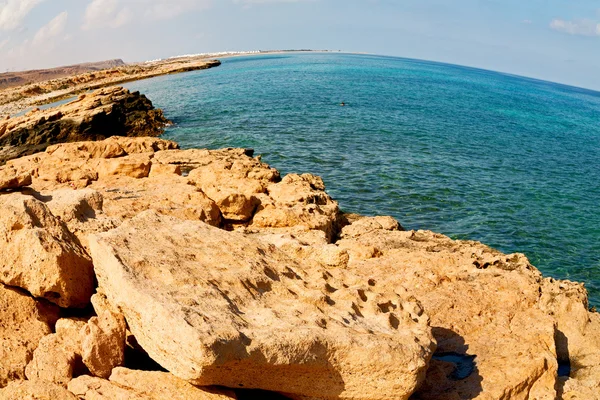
{"points": [[509, 161]]}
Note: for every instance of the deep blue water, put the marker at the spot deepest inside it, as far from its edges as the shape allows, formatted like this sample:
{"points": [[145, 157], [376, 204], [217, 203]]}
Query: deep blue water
{"points": [[509, 161]]}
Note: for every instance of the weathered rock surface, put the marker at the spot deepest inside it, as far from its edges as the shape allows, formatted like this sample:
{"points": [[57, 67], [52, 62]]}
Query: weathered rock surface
{"points": [[39, 390], [103, 339], [298, 201], [17, 99], [23, 323], [127, 384], [58, 356], [161, 385], [298, 298], [106, 112], [224, 309], [92, 388], [53, 266], [11, 179], [482, 304]]}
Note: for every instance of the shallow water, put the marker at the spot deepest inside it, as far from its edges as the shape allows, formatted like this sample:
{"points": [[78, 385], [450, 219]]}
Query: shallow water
{"points": [[509, 161]]}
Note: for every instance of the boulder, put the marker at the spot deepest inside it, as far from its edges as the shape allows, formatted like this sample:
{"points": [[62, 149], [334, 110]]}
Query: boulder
{"points": [[55, 266], [233, 180], [58, 356], [24, 322], [103, 340], [482, 305], [223, 308], [39, 390], [298, 201], [10, 178]]}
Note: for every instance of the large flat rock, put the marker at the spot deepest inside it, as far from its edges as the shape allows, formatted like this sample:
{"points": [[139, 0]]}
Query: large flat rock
{"points": [[221, 308], [494, 340]]}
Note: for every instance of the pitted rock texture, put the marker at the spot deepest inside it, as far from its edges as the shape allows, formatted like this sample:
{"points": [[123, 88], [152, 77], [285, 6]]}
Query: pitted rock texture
{"points": [[105, 112], [482, 303], [103, 339], [23, 323], [228, 273], [40, 255], [224, 309], [57, 358], [11, 179]]}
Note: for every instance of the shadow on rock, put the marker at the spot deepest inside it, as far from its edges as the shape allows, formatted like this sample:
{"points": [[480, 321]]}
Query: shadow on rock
{"points": [[564, 362], [452, 373]]}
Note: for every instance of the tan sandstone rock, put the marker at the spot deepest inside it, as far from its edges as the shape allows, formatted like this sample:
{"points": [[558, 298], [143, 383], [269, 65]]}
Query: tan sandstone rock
{"points": [[28, 390], [103, 339], [577, 337], [58, 356], [483, 305], [221, 308], [162, 385], [298, 201], [23, 323], [10, 178], [92, 388], [54, 266], [52, 361], [234, 181], [127, 384], [113, 173]]}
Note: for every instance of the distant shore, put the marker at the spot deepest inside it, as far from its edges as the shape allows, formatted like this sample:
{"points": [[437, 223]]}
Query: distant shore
{"points": [[14, 100]]}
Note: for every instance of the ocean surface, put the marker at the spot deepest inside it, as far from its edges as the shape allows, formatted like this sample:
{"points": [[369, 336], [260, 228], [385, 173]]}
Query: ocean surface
{"points": [[509, 161]]}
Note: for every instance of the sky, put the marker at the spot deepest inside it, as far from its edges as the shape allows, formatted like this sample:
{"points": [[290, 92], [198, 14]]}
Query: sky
{"points": [[555, 40]]}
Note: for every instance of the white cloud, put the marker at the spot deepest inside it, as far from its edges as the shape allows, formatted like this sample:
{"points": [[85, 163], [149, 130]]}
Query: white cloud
{"points": [[164, 9], [582, 27], [116, 13], [105, 13], [12, 12], [4, 43], [51, 30]]}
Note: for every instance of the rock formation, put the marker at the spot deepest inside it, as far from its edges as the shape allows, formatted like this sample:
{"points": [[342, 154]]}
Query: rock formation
{"points": [[213, 270], [106, 112], [43, 90]]}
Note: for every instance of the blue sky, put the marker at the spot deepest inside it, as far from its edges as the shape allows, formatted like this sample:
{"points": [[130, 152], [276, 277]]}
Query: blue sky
{"points": [[556, 40]]}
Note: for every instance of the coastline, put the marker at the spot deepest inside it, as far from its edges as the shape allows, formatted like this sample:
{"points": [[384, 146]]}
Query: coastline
{"points": [[17, 99], [357, 284], [272, 251]]}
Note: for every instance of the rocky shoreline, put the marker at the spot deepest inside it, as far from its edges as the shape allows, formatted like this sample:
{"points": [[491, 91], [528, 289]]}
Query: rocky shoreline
{"points": [[18, 99], [153, 272], [106, 112]]}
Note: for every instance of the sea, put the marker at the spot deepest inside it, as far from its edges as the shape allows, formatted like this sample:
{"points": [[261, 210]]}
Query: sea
{"points": [[509, 161]]}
